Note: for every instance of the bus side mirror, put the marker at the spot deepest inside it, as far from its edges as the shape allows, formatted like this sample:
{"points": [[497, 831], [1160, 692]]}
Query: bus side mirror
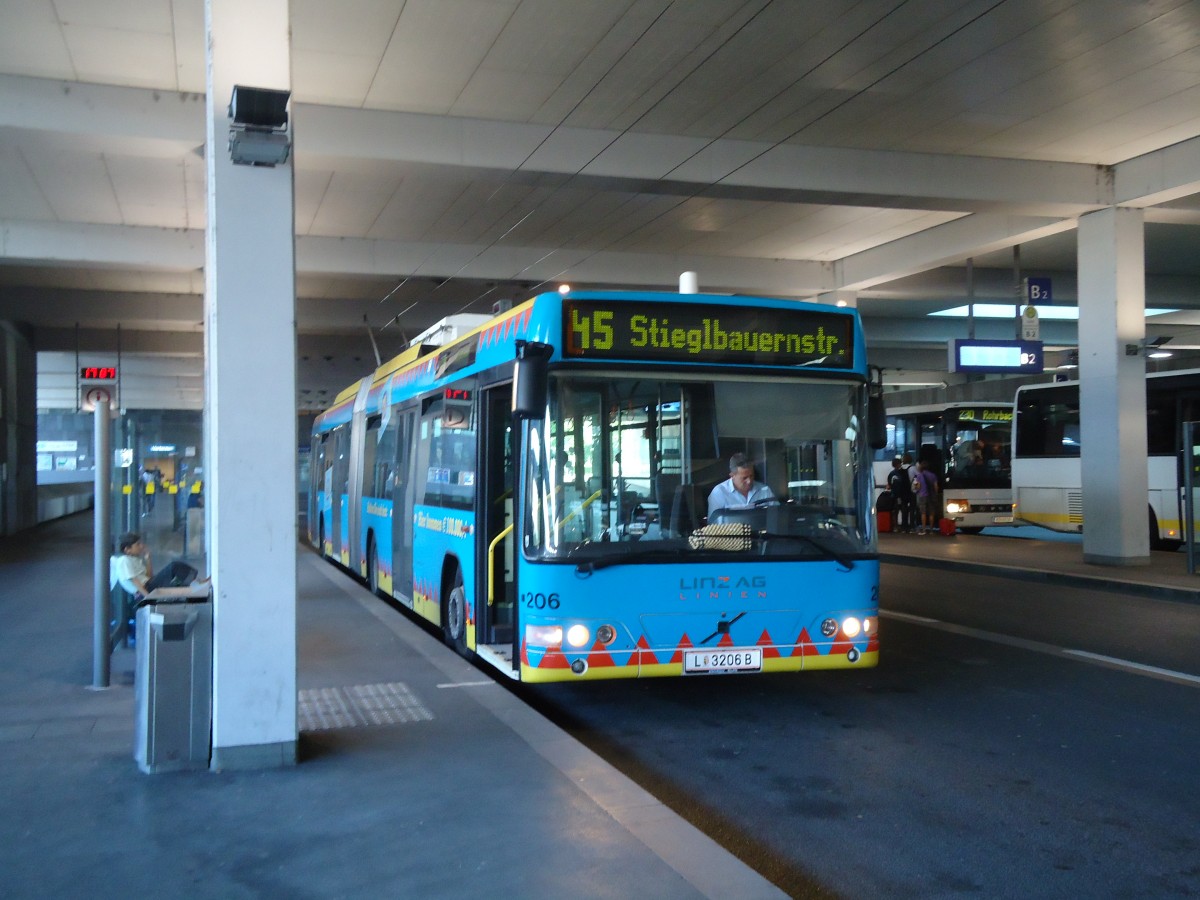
{"points": [[529, 380], [876, 422]]}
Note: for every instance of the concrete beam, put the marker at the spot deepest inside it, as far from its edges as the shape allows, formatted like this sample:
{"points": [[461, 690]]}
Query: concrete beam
{"points": [[104, 341], [942, 245], [551, 264], [737, 169], [1159, 177], [101, 115], [183, 249], [105, 245], [130, 117]]}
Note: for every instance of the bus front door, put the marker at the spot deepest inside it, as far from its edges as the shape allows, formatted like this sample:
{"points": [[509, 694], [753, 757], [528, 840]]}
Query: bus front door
{"points": [[498, 570]]}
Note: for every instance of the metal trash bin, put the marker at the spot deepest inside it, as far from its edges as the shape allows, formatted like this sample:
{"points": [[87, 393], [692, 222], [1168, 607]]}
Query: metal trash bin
{"points": [[173, 680]]}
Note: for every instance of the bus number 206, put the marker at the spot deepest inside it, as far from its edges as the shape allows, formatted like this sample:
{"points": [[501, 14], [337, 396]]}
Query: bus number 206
{"points": [[540, 601]]}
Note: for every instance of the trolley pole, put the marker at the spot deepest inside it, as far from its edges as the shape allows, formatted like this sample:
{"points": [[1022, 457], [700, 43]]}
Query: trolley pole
{"points": [[102, 549]]}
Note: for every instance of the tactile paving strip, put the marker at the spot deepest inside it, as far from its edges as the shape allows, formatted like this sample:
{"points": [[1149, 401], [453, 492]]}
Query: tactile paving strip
{"points": [[324, 709]]}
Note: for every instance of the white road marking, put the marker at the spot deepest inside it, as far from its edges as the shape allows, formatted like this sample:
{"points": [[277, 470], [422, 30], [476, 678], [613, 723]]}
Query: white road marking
{"points": [[1110, 662], [458, 684]]}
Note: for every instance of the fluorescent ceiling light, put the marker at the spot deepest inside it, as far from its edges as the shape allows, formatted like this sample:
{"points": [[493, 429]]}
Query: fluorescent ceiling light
{"points": [[1006, 311]]}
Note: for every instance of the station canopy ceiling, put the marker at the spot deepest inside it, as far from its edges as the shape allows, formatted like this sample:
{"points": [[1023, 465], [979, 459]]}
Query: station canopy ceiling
{"points": [[452, 154]]}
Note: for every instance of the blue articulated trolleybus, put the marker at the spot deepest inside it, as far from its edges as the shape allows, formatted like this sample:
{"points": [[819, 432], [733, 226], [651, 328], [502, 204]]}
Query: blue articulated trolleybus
{"points": [[539, 487]]}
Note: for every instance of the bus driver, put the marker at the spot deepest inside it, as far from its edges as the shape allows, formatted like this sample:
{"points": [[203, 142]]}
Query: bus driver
{"points": [[740, 490]]}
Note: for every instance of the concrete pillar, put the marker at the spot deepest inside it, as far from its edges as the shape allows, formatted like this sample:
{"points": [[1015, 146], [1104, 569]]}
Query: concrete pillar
{"points": [[1112, 393], [250, 409]]}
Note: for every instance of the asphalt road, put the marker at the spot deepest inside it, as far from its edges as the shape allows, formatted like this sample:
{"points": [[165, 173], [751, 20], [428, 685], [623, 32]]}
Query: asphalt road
{"points": [[987, 755]]}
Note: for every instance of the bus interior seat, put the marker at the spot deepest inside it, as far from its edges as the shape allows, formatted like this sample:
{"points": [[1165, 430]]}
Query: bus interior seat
{"points": [[687, 507], [630, 501]]}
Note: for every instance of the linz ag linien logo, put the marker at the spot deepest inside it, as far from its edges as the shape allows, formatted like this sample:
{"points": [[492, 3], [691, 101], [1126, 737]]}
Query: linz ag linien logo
{"points": [[723, 587]]}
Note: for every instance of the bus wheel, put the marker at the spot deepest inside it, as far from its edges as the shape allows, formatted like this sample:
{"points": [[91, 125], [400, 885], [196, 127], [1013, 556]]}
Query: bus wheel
{"points": [[1161, 543], [372, 566], [454, 617]]}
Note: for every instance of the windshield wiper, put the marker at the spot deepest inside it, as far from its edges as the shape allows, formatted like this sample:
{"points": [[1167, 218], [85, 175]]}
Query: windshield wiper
{"points": [[666, 554], [840, 558]]}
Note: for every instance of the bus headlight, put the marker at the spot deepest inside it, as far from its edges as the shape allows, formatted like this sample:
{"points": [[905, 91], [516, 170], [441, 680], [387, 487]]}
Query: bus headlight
{"points": [[851, 626], [957, 507], [543, 635], [606, 634], [578, 635], [829, 627]]}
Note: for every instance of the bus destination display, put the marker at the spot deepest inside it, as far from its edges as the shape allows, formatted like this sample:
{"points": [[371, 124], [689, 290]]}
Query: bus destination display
{"points": [[679, 332]]}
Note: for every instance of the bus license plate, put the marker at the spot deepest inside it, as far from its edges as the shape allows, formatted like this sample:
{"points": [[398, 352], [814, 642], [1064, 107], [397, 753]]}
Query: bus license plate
{"points": [[726, 659], [1002, 520]]}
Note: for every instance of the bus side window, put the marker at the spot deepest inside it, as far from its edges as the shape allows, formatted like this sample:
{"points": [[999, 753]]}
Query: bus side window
{"points": [[385, 459], [368, 469]]}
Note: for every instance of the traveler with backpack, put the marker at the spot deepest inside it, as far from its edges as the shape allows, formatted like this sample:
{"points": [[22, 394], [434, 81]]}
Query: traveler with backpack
{"points": [[925, 486]]}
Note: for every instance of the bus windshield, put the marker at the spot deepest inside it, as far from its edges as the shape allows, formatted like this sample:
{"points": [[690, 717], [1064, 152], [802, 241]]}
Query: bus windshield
{"points": [[622, 466], [980, 447]]}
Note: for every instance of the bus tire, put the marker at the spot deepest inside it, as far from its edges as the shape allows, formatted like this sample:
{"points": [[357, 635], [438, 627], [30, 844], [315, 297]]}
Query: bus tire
{"points": [[372, 565], [1161, 543], [454, 616]]}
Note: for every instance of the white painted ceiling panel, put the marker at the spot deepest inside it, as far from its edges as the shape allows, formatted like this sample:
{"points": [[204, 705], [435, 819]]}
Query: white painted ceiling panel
{"points": [[22, 198], [125, 57], [150, 191], [188, 19], [77, 186], [353, 203], [148, 16], [503, 94], [31, 40], [347, 27], [333, 79], [309, 188], [437, 47], [414, 207], [584, 96], [549, 38]]}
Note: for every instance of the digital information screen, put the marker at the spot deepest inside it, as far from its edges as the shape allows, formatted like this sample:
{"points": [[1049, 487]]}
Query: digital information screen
{"points": [[704, 333], [985, 414], [996, 357]]}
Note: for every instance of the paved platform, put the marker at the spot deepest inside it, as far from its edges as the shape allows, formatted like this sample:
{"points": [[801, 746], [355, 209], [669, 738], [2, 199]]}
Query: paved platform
{"points": [[419, 776]]}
